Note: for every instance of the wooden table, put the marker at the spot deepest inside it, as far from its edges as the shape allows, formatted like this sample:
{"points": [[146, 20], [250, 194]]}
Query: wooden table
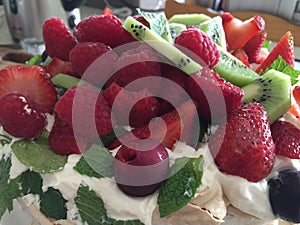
{"points": [[276, 27]]}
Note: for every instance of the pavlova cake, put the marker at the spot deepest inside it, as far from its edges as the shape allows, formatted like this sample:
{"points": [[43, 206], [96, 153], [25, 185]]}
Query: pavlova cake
{"points": [[153, 121]]}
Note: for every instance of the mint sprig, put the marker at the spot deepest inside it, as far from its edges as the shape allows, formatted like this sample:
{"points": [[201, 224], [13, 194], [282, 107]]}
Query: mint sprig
{"points": [[181, 187], [96, 162], [5, 200], [37, 155], [92, 210]]}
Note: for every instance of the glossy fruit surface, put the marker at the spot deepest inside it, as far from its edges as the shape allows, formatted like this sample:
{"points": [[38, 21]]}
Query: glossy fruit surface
{"points": [[284, 194], [141, 166]]}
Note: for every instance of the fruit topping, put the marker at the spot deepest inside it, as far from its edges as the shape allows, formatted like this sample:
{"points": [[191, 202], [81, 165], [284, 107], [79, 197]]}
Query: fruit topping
{"points": [[57, 66], [133, 108], [106, 29], [31, 82], [242, 56], [84, 109], [64, 141], [286, 137], [284, 195], [253, 47], [20, 117], [251, 155], [57, 38], [141, 166], [284, 48], [214, 96], [273, 91], [195, 40]]}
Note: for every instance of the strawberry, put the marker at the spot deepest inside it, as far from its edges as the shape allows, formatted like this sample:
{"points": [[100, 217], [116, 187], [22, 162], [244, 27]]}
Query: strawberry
{"points": [[243, 145], [62, 139], [85, 110], [30, 81], [295, 103], [284, 48], [215, 97], [57, 38], [21, 117], [253, 47], [57, 66], [242, 56], [286, 137], [84, 54], [239, 32], [205, 50], [139, 62], [131, 107], [107, 11], [106, 29]]}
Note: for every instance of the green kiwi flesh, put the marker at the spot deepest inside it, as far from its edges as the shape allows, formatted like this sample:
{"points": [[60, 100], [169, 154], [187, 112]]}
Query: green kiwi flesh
{"points": [[176, 28], [214, 28], [233, 70], [189, 19], [273, 91], [144, 34]]}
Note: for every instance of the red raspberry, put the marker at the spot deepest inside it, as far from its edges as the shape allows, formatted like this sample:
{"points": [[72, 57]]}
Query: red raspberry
{"points": [[134, 64], [286, 137], [85, 53], [58, 39], [83, 108], [100, 28], [141, 108], [64, 141], [243, 144], [215, 97], [195, 40], [20, 117]]}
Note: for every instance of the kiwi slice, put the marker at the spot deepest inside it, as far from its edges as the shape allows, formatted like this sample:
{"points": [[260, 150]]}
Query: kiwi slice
{"points": [[176, 28], [189, 19], [214, 28], [144, 34], [273, 91], [233, 70]]}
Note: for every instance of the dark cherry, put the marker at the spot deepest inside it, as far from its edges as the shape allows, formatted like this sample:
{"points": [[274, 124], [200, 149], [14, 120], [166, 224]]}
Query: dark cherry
{"points": [[284, 194], [141, 166]]}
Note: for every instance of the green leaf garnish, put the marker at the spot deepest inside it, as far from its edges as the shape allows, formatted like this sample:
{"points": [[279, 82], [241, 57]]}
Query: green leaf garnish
{"points": [[92, 210], [53, 205], [181, 187], [37, 155], [5, 139], [96, 162], [158, 23], [107, 140], [5, 199], [35, 60], [65, 81], [281, 65]]}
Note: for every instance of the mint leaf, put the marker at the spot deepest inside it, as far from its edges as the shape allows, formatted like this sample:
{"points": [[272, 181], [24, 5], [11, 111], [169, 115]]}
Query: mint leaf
{"points": [[92, 210], [53, 205], [281, 65], [5, 200], [96, 162], [37, 155], [158, 23], [180, 188], [107, 140], [5, 139], [35, 60]]}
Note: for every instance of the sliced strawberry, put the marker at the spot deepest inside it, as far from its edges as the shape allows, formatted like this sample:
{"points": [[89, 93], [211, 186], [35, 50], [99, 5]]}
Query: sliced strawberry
{"points": [[284, 48], [32, 82], [253, 47], [242, 56], [295, 103], [243, 145], [107, 11], [57, 66], [239, 32], [286, 137], [134, 108], [62, 140]]}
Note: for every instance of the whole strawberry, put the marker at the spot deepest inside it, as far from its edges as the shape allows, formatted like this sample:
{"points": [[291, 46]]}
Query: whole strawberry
{"points": [[195, 40], [243, 144], [286, 137], [58, 38]]}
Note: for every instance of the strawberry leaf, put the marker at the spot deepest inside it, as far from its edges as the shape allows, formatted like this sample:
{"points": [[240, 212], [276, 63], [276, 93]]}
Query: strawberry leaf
{"points": [[92, 210], [180, 188], [96, 162], [37, 154], [281, 65]]}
